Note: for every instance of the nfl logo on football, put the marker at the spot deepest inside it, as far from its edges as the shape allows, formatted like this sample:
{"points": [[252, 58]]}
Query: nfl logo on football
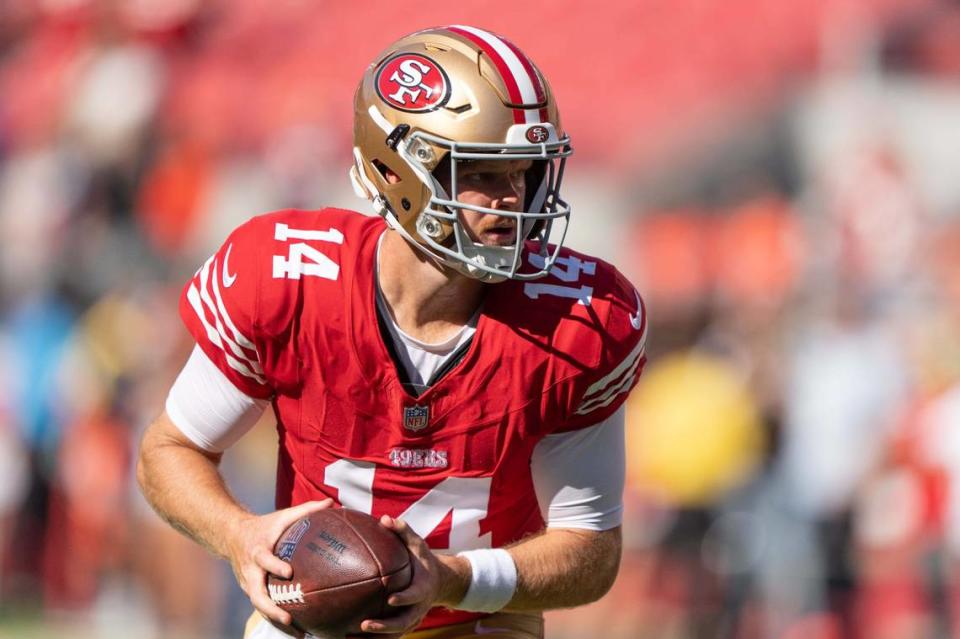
{"points": [[289, 543], [416, 417]]}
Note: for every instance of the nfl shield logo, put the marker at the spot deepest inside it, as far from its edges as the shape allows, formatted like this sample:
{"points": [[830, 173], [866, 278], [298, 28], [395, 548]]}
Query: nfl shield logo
{"points": [[416, 417], [290, 540]]}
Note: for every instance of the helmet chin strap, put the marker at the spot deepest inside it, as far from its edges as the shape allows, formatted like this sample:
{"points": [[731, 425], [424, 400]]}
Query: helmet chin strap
{"points": [[500, 258], [473, 272]]}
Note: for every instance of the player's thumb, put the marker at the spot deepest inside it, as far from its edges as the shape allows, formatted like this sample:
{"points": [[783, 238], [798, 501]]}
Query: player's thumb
{"points": [[400, 527], [290, 515]]}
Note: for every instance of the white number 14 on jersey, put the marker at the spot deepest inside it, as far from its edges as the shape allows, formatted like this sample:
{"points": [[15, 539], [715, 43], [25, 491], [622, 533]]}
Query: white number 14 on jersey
{"points": [[317, 264], [466, 498]]}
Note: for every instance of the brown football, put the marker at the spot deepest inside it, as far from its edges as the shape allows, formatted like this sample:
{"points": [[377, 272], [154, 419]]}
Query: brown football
{"points": [[345, 565]]}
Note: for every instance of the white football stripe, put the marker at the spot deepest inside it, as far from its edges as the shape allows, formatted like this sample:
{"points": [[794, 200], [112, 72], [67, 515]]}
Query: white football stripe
{"points": [[193, 296], [205, 273], [528, 91]]}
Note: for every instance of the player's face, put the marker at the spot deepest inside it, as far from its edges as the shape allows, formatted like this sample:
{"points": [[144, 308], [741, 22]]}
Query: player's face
{"points": [[494, 184]]}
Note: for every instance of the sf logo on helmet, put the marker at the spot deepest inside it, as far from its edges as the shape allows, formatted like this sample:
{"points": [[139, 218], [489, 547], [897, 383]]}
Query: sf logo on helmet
{"points": [[538, 134], [412, 82]]}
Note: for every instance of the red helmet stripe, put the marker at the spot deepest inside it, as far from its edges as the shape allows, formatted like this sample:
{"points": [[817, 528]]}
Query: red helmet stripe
{"points": [[515, 70], [528, 67], [537, 83]]}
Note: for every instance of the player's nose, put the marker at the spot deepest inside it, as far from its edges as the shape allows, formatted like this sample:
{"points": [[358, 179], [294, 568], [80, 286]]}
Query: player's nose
{"points": [[507, 197], [509, 203]]}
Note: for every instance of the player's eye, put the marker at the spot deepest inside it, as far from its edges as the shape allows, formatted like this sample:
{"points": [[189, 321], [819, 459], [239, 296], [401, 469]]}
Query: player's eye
{"points": [[480, 177], [492, 179]]}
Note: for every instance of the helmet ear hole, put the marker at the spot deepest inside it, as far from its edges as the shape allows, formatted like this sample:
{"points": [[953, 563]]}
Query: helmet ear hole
{"points": [[388, 174]]}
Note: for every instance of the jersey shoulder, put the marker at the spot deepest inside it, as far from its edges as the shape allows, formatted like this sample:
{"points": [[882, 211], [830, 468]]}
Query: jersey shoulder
{"points": [[584, 306], [588, 316], [244, 299], [610, 315], [620, 331], [292, 253]]}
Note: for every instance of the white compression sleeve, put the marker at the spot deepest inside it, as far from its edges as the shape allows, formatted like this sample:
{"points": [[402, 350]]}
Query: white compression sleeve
{"points": [[208, 408], [579, 476]]}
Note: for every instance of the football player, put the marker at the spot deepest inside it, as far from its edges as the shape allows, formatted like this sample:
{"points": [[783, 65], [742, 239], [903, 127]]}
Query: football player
{"points": [[444, 365]]}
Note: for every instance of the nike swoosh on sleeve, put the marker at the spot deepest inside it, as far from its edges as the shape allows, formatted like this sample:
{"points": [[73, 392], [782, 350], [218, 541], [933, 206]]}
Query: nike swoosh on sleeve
{"points": [[228, 279], [635, 320]]}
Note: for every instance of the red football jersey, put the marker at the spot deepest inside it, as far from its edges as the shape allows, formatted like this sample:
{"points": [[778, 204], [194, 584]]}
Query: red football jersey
{"points": [[286, 309]]}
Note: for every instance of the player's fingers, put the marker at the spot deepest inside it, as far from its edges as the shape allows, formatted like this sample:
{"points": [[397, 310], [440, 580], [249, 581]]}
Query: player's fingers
{"points": [[274, 614], [277, 615], [417, 591], [395, 635], [398, 526], [407, 534], [413, 594], [257, 592], [399, 623], [272, 564], [419, 588]]}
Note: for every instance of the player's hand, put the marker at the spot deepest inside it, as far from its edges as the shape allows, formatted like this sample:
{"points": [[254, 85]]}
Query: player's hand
{"points": [[433, 582], [251, 556]]}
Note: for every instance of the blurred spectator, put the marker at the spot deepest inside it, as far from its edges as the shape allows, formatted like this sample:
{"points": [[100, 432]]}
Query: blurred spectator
{"points": [[14, 468], [695, 432], [845, 383]]}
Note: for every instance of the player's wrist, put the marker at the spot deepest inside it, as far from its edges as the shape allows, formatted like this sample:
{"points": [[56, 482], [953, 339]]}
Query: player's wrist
{"points": [[454, 579], [234, 535], [493, 580]]}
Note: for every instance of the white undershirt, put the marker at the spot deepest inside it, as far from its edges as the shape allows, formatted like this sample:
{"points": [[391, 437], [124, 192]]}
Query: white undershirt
{"points": [[421, 360]]}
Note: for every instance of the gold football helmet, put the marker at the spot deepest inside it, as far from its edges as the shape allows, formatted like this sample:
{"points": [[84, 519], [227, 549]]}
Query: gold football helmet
{"points": [[452, 94]]}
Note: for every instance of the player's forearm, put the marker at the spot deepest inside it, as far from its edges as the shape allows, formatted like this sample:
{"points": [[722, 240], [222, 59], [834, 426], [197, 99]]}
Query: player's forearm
{"points": [[185, 487], [562, 568]]}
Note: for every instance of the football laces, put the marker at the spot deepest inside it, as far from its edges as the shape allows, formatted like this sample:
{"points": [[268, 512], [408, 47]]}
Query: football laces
{"points": [[286, 593]]}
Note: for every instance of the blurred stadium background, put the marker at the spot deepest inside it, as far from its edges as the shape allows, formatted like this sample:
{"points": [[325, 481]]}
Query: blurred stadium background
{"points": [[779, 177]]}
